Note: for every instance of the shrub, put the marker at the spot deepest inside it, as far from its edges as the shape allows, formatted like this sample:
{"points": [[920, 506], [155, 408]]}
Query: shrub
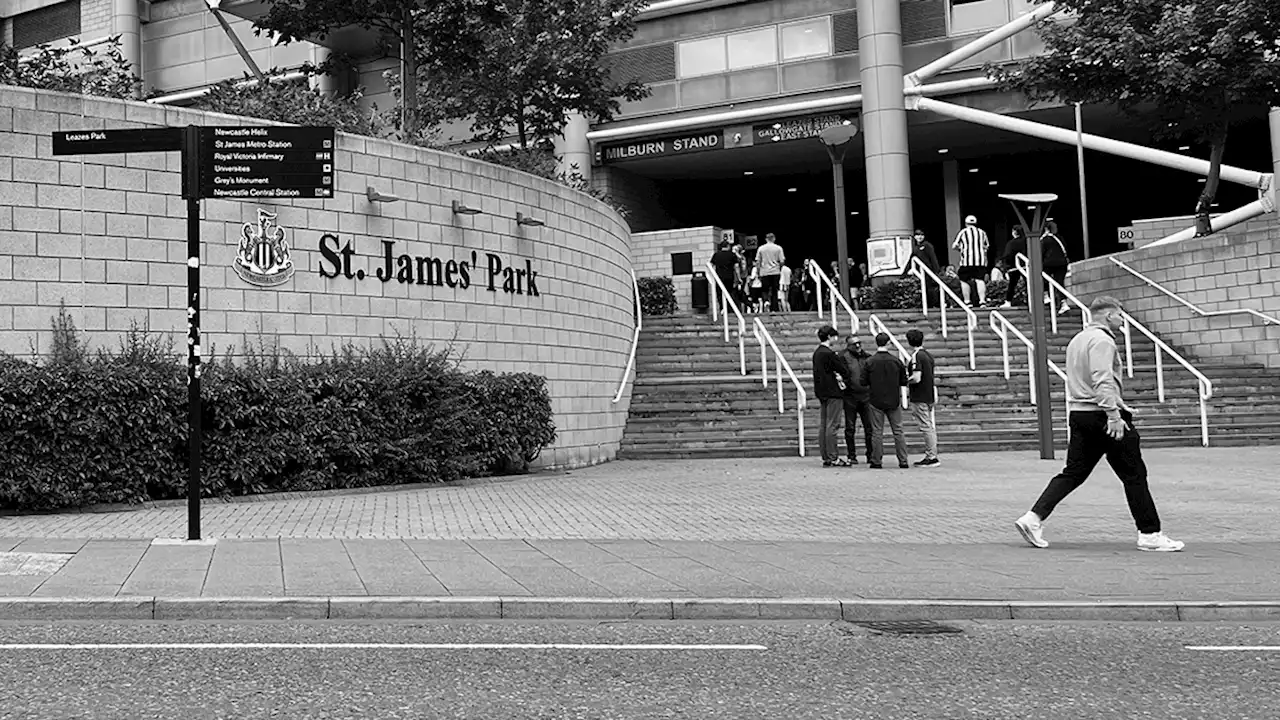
{"points": [[101, 71], [657, 296], [113, 427], [291, 101], [897, 295], [999, 288]]}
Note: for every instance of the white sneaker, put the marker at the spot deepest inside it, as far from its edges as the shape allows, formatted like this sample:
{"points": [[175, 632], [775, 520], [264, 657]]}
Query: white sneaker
{"points": [[1006, 305], [1158, 542], [1031, 529]]}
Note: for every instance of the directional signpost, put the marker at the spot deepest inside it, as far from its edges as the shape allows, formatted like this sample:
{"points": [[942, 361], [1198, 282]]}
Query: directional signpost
{"points": [[230, 163]]}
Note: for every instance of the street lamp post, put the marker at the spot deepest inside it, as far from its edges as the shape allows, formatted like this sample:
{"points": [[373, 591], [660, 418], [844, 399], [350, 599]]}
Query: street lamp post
{"points": [[1039, 203], [837, 139]]}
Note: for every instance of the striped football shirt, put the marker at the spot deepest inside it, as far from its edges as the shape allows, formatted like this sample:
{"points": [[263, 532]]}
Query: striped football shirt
{"points": [[972, 243]]}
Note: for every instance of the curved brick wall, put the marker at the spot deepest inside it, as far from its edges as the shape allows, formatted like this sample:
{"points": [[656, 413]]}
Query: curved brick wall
{"points": [[107, 235]]}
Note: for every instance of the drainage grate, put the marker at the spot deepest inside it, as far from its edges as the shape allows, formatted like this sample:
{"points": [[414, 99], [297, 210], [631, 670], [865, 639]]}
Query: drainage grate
{"points": [[909, 627]]}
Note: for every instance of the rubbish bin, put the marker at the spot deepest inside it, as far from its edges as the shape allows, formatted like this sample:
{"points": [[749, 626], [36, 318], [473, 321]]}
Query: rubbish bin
{"points": [[701, 292]]}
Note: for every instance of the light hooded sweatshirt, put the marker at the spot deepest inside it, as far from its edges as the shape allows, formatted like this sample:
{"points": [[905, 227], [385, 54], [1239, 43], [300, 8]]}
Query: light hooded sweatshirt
{"points": [[1094, 371]]}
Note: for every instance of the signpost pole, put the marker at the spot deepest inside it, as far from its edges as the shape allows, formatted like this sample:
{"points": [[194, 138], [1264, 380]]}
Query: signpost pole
{"points": [[837, 139], [1039, 205], [191, 191]]}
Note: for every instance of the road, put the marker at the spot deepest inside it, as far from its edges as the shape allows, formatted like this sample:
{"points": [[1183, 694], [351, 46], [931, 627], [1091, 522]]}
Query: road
{"points": [[990, 670]]}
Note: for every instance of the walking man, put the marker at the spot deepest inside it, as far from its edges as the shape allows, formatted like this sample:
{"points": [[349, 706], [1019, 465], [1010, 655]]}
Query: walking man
{"points": [[885, 375], [830, 378], [1055, 259], [1101, 424], [972, 244], [1009, 260], [725, 264], [923, 395], [770, 260], [857, 400]]}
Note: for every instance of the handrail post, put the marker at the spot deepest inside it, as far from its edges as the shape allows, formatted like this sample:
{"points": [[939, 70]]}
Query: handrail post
{"points": [[1053, 307], [764, 359], [742, 346], [1128, 345], [1204, 418], [1160, 373], [1031, 373], [780, 406]]}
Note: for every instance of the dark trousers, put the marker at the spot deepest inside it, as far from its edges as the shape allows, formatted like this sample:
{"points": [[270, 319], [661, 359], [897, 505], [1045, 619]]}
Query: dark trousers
{"points": [[894, 419], [769, 284], [1059, 274], [855, 410], [727, 279], [828, 426], [1089, 443], [1015, 277]]}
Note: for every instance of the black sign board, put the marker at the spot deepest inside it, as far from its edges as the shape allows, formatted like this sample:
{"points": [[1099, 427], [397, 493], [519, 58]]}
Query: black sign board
{"points": [[96, 142], [797, 128], [681, 145], [241, 163]]}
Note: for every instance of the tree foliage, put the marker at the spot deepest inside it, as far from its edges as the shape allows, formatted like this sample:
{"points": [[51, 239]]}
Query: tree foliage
{"points": [[527, 64], [102, 71], [290, 101], [1190, 68]]}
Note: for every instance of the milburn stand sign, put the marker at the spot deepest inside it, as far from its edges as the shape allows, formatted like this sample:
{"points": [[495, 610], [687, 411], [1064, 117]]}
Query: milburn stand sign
{"points": [[231, 163]]}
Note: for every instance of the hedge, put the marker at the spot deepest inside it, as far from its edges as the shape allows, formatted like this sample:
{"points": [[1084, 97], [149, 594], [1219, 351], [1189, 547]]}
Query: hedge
{"points": [[113, 428], [657, 296]]}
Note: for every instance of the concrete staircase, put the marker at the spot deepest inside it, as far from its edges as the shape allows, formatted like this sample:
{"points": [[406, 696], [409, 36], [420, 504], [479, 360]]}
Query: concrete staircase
{"points": [[690, 400]]}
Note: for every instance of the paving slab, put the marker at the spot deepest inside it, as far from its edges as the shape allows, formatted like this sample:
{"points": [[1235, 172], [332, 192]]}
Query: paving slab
{"points": [[389, 567]]}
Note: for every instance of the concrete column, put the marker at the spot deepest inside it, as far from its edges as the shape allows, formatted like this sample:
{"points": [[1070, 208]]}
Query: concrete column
{"points": [[126, 23], [884, 119], [327, 84], [1275, 156], [951, 193], [572, 147]]}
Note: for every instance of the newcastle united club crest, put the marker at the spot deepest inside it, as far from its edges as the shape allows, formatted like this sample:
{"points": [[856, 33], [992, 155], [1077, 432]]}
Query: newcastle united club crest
{"points": [[263, 258]]}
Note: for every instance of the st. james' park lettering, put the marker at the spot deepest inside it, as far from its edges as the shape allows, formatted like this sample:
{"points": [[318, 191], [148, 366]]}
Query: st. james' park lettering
{"points": [[407, 269]]}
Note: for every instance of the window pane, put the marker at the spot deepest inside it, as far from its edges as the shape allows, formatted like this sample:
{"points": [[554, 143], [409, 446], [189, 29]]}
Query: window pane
{"points": [[806, 39], [701, 57], [750, 49]]}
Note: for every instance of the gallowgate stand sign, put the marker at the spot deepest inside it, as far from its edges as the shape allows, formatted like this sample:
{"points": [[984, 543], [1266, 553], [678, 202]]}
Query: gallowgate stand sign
{"points": [[228, 163]]}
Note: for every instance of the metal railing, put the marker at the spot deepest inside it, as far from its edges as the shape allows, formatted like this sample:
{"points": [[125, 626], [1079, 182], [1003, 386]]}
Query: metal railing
{"points": [[721, 304], [1022, 264], [879, 327], [780, 361], [971, 318], [1162, 348], [1001, 326], [821, 280], [635, 337], [1266, 319]]}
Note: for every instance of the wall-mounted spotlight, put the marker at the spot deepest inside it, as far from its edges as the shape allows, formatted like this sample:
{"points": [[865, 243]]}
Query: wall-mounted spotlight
{"points": [[522, 219], [377, 197], [460, 209]]}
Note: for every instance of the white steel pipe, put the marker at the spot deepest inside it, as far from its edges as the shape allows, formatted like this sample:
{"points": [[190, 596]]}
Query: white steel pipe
{"points": [[27, 58], [1066, 136], [201, 92], [1257, 208], [968, 50], [952, 86]]}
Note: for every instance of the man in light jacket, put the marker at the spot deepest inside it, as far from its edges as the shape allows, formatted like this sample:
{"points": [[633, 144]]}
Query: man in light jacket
{"points": [[1101, 425]]}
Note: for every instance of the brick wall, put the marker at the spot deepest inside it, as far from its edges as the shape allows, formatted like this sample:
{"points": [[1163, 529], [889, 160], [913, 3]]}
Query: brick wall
{"points": [[107, 235], [638, 194], [653, 250], [1236, 269]]}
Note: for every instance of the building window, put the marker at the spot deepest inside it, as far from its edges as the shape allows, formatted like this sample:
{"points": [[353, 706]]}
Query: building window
{"points": [[810, 38], [754, 48], [969, 16], [701, 57], [48, 24]]}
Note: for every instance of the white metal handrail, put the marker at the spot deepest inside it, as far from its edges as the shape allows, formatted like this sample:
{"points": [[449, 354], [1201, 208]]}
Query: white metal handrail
{"points": [[971, 318], [720, 307], [635, 337], [1162, 348], [879, 327], [780, 361], [1202, 313], [1023, 265], [820, 279], [1001, 326]]}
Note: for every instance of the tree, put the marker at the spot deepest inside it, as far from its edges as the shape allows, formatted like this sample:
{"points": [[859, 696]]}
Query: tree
{"points": [[1191, 68], [527, 64], [72, 68], [401, 24]]}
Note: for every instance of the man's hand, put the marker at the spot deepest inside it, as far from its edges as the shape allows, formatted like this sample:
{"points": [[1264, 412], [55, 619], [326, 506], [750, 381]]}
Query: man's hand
{"points": [[1116, 427]]}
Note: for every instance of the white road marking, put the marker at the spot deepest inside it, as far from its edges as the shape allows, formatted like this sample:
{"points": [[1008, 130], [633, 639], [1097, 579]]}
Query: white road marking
{"points": [[364, 646], [1225, 648]]}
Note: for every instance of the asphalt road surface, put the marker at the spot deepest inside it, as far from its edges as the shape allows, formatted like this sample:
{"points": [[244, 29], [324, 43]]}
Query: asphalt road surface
{"points": [[636, 670]]}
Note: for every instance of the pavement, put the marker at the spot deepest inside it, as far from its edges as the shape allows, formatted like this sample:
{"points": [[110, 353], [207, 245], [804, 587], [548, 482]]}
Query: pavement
{"points": [[705, 539]]}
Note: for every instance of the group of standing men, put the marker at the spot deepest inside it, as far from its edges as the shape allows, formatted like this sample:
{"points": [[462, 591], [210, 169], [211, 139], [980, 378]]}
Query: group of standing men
{"points": [[858, 386]]}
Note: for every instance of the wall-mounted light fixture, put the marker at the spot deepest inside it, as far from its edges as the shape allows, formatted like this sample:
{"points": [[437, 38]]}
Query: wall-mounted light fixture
{"points": [[377, 197], [460, 209], [522, 219]]}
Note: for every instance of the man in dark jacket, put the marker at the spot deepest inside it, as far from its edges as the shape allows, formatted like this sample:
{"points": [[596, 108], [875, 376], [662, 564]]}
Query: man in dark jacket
{"points": [[923, 249], [857, 400], [1009, 261], [1054, 255], [725, 263], [886, 376], [830, 378]]}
